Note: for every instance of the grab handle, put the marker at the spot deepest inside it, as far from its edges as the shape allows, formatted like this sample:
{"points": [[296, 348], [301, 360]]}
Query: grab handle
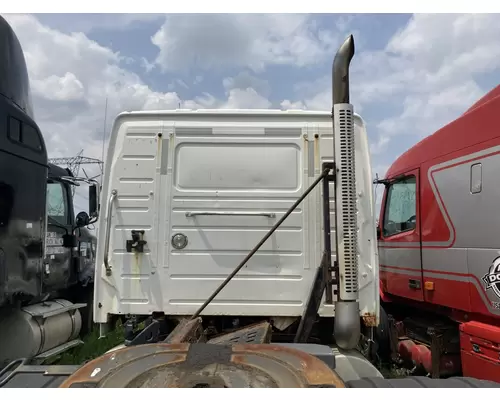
{"points": [[231, 214], [108, 231]]}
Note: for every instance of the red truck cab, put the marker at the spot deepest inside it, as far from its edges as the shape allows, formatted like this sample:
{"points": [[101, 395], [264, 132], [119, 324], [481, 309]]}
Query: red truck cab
{"points": [[439, 245]]}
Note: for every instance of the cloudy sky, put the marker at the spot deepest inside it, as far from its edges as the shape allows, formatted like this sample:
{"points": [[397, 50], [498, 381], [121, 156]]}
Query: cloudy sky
{"points": [[411, 73]]}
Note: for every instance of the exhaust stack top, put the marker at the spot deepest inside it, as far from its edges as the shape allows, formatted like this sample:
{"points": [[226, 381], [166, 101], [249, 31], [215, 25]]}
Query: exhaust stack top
{"points": [[340, 72], [347, 327]]}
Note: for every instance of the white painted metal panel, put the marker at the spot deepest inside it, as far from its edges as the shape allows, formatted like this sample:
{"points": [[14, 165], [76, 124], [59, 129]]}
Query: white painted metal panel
{"points": [[133, 174]]}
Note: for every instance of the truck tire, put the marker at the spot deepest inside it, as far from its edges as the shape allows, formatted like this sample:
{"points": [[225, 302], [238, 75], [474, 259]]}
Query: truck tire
{"points": [[421, 382]]}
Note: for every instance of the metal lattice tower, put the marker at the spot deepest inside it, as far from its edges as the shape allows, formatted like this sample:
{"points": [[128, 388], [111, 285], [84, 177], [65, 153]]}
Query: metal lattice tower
{"points": [[74, 164]]}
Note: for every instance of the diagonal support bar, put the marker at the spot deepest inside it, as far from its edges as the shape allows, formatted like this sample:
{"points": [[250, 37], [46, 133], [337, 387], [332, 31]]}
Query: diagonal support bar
{"points": [[325, 172]]}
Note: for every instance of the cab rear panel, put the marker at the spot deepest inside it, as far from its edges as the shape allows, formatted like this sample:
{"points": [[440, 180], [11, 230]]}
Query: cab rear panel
{"points": [[221, 181]]}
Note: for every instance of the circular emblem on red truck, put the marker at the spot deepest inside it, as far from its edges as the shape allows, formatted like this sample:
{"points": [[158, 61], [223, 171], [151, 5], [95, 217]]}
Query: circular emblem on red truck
{"points": [[492, 278]]}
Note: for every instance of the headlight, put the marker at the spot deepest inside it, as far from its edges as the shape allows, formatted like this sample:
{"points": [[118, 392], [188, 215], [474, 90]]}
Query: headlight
{"points": [[179, 241]]}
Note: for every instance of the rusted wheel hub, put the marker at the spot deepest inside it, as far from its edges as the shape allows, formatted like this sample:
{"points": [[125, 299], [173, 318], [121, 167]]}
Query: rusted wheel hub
{"points": [[204, 365]]}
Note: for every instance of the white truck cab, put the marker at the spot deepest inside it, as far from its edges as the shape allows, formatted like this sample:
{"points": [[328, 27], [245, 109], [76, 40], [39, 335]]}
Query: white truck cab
{"points": [[202, 187]]}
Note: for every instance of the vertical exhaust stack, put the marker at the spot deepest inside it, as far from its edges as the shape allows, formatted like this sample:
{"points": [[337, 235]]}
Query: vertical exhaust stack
{"points": [[347, 320]]}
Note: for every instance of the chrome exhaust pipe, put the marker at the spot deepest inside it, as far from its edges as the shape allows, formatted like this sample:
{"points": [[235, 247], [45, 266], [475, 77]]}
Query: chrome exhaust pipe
{"points": [[340, 72], [347, 326]]}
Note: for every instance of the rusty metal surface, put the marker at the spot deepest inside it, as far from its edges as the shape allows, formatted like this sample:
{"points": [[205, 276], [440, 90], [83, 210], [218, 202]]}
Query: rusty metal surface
{"points": [[370, 319], [315, 371], [187, 331], [205, 365], [258, 333]]}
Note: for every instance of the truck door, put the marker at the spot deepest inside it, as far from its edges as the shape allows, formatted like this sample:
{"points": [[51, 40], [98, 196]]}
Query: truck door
{"points": [[399, 240], [59, 215]]}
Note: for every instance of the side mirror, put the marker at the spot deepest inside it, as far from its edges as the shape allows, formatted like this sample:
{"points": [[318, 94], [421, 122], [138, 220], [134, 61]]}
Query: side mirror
{"points": [[93, 201], [82, 219], [379, 232]]}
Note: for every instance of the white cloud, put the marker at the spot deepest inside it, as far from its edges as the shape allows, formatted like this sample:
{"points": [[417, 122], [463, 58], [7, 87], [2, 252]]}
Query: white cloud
{"points": [[245, 81], [234, 40], [433, 66], [380, 143], [86, 24], [292, 105], [60, 88], [424, 113], [430, 54], [236, 98], [450, 46], [245, 98], [148, 66]]}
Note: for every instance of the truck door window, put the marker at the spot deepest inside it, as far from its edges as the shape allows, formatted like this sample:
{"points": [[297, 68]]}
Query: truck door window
{"points": [[25, 134], [400, 213], [57, 203], [476, 178], [15, 129], [31, 138]]}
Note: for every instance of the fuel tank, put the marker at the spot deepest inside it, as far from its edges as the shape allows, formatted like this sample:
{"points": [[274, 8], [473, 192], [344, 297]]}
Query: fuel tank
{"points": [[38, 328]]}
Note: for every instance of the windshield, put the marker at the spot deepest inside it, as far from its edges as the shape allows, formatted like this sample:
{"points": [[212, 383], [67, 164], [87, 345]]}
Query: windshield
{"points": [[57, 201]]}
